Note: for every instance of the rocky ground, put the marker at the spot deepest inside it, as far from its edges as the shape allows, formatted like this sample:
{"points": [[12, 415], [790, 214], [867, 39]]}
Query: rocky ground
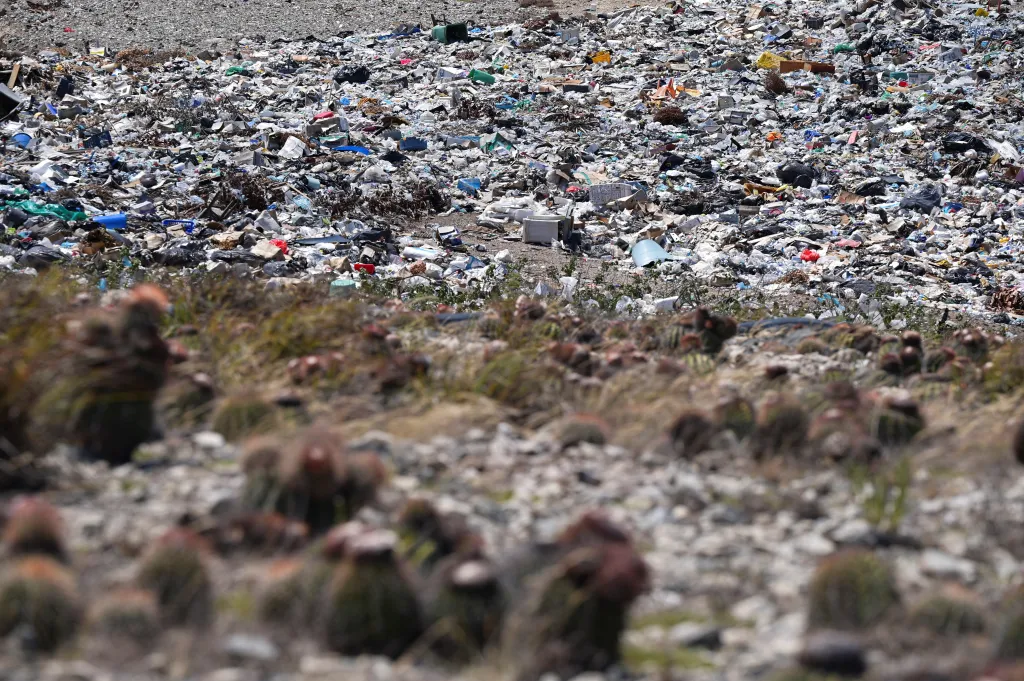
{"points": [[520, 436], [32, 25]]}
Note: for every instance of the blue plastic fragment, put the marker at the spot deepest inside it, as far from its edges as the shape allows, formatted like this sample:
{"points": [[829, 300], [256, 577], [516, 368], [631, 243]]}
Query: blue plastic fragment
{"points": [[348, 147], [413, 144]]}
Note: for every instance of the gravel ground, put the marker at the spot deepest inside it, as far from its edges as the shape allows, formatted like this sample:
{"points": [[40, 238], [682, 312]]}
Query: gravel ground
{"points": [[732, 543], [732, 551], [174, 24]]}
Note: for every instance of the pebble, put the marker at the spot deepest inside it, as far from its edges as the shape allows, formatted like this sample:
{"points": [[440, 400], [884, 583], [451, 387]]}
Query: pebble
{"points": [[833, 652], [944, 566], [249, 647], [208, 439], [854, 532], [693, 635]]}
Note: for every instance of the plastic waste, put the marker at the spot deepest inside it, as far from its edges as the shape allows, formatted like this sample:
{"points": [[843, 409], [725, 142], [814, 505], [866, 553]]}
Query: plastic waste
{"points": [[482, 77], [923, 200], [648, 252], [49, 209], [113, 221], [797, 174]]}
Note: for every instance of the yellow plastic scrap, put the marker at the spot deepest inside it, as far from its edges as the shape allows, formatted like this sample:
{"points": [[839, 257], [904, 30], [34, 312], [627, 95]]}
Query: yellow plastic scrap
{"points": [[602, 57], [981, 12], [768, 60]]}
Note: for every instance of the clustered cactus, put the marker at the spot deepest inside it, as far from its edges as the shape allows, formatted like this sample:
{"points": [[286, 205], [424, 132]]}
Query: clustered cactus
{"points": [[127, 615], [428, 536], [310, 477], [781, 426], [468, 609], [360, 595], [38, 596], [952, 611], [580, 428], [735, 414], [1010, 642], [175, 571], [691, 433], [120, 364], [295, 589], [577, 618], [850, 590], [896, 420], [34, 527], [372, 607]]}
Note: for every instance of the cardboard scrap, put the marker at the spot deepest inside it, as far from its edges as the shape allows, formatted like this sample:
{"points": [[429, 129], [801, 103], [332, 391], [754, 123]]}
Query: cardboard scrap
{"points": [[14, 75], [789, 65]]}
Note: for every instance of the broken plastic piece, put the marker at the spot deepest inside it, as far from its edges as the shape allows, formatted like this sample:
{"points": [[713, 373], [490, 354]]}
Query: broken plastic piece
{"points": [[648, 251]]}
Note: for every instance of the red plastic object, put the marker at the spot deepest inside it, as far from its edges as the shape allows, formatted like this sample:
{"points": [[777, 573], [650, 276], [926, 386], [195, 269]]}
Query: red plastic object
{"points": [[809, 256], [322, 115], [369, 268], [280, 244]]}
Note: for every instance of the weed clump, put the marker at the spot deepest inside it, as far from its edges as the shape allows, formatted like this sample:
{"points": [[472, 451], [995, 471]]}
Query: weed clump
{"points": [[244, 415]]}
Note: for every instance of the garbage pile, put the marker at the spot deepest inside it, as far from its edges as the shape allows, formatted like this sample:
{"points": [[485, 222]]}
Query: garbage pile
{"points": [[866, 154]]}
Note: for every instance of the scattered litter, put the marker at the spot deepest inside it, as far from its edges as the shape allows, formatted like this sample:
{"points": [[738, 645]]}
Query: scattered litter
{"points": [[762, 146]]}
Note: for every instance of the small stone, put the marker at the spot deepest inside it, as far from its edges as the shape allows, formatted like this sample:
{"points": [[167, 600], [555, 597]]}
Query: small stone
{"points": [[375, 441], [267, 250], [322, 665], [229, 674], [70, 670], [757, 609], [247, 647], [226, 240], [833, 652], [218, 268], [208, 439], [941, 565], [692, 635], [814, 544], [854, 532]]}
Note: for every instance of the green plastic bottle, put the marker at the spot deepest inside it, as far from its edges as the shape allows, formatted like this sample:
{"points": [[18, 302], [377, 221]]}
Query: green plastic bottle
{"points": [[481, 77], [843, 47]]}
